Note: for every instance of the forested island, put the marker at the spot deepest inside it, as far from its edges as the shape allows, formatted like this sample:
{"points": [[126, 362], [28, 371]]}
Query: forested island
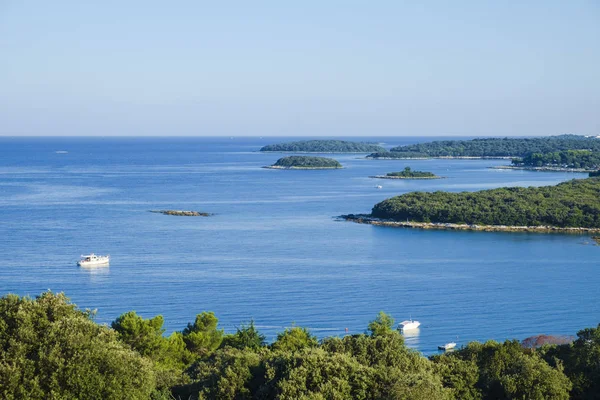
{"points": [[408, 173], [305, 162], [572, 206], [570, 159], [52, 349], [491, 147], [323, 146]]}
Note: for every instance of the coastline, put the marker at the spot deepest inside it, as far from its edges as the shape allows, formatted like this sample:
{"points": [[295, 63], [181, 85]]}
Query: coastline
{"points": [[546, 169], [367, 219], [444, 158], [406, 177], [278, 167]]}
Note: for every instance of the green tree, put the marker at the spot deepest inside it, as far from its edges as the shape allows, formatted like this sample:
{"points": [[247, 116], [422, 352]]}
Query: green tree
{"points": [[50, 349], [203, 336], [246, 336], [293, 339], [383, 324]]}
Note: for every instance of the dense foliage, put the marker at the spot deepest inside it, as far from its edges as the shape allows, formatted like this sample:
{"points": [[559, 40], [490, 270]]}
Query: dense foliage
{"points": [[561, 159], [574, 203], [307, 162], [324, 146], [500, 147], [51, 350], [409, 173], [594, 173]]}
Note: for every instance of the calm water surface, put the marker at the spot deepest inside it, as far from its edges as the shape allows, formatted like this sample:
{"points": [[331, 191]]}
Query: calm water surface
{"points": [[273, 251]]}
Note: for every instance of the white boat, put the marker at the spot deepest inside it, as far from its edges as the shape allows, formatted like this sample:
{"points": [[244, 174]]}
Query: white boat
{"points": [[379, 187], [93, 260], [447, 346], [409, 324]]}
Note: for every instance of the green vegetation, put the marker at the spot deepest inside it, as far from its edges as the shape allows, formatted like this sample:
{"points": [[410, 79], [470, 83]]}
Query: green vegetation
{"points": [[324, 146], [408, 173], [574, 203], [498, 147], [305, 162], [594, 174], [51, 350], [584, 159], [397, 155]]}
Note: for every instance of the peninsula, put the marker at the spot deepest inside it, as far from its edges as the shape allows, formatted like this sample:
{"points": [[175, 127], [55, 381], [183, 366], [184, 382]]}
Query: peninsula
{"points": [[572, 206], [305, 162], [408, 173], [568, 161], [323, 146], [491, 147]]}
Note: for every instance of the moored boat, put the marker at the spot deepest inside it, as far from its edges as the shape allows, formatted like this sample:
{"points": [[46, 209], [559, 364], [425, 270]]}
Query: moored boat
{"points": [[93, 260], [409, 324], [447, 346]]}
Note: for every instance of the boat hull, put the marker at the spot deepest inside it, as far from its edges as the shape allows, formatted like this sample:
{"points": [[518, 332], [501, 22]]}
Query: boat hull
{"points": [[410, 325], [93, 263]]}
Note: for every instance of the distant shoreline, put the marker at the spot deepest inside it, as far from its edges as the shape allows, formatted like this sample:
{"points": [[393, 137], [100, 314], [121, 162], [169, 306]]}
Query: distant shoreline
{"points": [[444, 158], [406, 177], [546, 169], [367, 219]]}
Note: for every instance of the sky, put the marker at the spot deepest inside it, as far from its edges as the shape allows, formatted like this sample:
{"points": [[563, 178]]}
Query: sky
{"points": [[304, 68]]}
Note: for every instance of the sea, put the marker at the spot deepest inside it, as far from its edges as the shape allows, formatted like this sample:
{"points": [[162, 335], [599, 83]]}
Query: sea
{"points": [[274, 251]]}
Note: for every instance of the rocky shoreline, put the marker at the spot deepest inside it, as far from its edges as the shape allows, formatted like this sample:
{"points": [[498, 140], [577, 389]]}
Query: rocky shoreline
{"points": [[548, 169], [367, 219], [182, 213], [406, 177]]}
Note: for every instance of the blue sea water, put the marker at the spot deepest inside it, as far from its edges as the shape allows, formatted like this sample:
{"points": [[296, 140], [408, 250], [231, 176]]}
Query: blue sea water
{"points": [[273, 251]]}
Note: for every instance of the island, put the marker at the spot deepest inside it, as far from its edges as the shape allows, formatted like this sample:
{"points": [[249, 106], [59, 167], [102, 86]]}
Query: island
{"points": [[572, 206], [408, 173], [491, 147], [182, 213], [569, 161], [323, 146], [305, 162]]}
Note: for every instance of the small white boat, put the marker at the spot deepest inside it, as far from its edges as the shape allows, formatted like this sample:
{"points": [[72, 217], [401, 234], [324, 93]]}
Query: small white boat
{"points": [[409, 324], [379, 187], [93, 260], [447, 346]]}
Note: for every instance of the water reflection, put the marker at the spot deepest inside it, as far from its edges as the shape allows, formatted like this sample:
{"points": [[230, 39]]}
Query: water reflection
{"points": [[411, 337], [96, 270]]}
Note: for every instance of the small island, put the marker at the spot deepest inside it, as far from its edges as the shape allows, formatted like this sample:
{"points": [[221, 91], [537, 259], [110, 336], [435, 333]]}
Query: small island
{"points": [[323, 146], [181, 213], [305, 162], [408, 173], [572, 206]]}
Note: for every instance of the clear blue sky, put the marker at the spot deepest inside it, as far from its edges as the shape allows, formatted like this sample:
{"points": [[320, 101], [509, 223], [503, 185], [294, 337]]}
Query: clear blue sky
{"points": [[309, 68]]}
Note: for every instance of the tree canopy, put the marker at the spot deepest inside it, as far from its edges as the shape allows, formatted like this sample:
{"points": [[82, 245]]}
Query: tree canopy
{"points": [[324, 146], [49, 349], [407, 172], [574, 203], [307, 162], [561, 159], [498, 147]]}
